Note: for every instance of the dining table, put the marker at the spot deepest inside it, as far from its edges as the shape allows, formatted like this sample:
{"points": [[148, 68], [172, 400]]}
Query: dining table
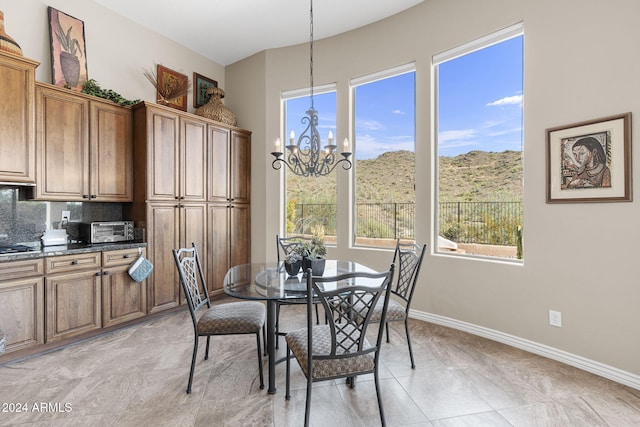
{"points": [[270, 282]]}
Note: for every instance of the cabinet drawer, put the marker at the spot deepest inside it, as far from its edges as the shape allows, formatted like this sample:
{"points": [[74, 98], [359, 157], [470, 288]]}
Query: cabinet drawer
{"points": [[19, 269], [121, 256], [65, 263]]}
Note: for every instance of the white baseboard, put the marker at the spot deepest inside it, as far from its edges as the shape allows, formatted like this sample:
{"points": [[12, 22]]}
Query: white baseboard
{"points": [[580, 362]]}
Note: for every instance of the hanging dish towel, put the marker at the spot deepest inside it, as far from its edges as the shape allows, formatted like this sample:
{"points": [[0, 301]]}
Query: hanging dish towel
{"points": [[140, 269]]}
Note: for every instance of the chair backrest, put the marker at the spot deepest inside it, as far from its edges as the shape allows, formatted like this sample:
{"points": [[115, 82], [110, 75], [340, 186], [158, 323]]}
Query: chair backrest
{"points": [[408, 257], [286, 245], [348, 300], [192, 278]]}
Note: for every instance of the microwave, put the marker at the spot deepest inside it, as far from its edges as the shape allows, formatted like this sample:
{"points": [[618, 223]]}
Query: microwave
{"points": [[106, 232]]}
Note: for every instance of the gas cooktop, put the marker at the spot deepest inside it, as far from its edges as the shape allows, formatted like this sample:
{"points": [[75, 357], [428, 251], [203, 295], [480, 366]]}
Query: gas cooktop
{"points": [[14, 249]]}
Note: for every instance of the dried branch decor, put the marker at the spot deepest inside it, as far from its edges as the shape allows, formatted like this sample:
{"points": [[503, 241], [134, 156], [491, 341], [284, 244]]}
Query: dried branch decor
{"points": [[171, 86]]}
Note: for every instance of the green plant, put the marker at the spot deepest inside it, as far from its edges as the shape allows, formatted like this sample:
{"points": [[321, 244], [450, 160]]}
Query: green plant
{"points": [[91, 87]]}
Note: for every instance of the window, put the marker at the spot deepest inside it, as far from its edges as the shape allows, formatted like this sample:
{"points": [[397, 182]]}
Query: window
{"points": [[310, 201], [479, 147], [384, 154]]}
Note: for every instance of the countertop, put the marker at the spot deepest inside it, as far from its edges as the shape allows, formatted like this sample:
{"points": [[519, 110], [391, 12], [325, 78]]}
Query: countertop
{"points": [[70, 249]]}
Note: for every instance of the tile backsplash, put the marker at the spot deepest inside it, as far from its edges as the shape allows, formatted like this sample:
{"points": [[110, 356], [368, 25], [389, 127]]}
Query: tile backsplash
{"points": [[26, 220]]}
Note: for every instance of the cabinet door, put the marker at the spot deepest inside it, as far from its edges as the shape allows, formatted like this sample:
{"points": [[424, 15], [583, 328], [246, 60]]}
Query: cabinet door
{"points": [[193, 160], [218, 246], [240, 166], [73, 304], [240, 235], [63, 145], [162, 237], [111, 153], [163, 155], [123, 298], [17, 132], [218, 164], [21, 312]]}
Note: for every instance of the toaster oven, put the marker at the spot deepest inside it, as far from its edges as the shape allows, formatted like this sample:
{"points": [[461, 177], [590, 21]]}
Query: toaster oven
{"points": [[106, 232]]}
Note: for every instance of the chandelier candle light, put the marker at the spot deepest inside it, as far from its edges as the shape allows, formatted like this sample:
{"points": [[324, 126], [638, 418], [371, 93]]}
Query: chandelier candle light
{"points": [[305, 157]]}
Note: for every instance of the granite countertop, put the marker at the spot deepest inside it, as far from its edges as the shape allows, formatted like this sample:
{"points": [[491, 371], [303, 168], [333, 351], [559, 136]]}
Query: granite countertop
{"points": [[70, 249]]}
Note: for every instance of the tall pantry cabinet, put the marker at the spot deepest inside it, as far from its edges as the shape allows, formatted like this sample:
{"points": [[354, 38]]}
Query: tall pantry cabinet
{"points": [[183, 170]]}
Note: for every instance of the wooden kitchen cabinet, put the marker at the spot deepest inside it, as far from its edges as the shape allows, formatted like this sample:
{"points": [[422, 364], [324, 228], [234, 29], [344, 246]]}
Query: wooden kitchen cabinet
{"points": [[73, 295], [229, 165], [123, 298], [229, 241], [17, 124], [22, 303], [84, 147]]}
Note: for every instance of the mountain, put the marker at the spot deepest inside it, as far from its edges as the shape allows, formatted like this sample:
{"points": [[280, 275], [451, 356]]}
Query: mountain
{"points": [[474, 176]]}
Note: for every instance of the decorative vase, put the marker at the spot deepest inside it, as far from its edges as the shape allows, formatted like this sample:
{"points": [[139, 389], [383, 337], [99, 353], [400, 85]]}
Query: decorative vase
{"points": [[317, 266], [216, 110], [293, 268], [7, 44]]}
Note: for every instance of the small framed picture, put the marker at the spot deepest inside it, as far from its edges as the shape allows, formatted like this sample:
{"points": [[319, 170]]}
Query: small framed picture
{"points": [[68, 50], [200, 86], [590, 161], [172, 88]]}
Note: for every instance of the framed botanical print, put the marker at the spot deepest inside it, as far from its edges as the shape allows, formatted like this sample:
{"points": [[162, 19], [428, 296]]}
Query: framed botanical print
{"points": [[68, 50], [200, 86], [590, 161], [172, 88]]}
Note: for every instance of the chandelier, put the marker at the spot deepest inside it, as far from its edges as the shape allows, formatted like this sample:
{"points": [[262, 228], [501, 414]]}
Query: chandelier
{"points": [[306, 157]]}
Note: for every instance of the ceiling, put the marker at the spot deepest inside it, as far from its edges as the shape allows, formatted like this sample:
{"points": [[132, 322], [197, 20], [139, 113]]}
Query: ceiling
{"points": [[226, 31]]}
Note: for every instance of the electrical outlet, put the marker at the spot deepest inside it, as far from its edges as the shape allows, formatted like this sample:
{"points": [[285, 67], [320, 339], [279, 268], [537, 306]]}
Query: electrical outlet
{"points": [[64, 217], [555, 318]]}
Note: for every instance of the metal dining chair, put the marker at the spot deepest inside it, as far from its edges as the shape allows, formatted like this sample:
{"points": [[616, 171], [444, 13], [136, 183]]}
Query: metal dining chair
{"points": [[285, 246], [408, 257], [234, 318], [339, 349]]}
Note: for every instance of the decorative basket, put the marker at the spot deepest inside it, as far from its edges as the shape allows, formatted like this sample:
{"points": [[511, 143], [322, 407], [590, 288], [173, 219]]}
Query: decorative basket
{"points": [[7, 44], [215, 109]]}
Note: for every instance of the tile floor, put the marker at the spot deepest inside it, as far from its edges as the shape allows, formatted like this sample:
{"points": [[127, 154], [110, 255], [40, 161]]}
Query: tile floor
{"points": [[138, 376]]}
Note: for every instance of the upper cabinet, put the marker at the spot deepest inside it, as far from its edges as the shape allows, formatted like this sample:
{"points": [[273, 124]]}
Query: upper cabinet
{"points": [[229, 165], [17, 132], [84, 147], [176, 147]]}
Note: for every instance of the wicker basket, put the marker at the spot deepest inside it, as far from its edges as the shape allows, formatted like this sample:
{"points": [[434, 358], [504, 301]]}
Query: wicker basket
{"points": [[216, 110]]}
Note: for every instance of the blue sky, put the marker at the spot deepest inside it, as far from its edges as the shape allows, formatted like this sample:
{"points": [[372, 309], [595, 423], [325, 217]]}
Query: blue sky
{"points": [[480, 107]]}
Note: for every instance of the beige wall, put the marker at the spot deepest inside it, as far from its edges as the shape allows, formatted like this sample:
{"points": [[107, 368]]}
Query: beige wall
{"points": [[580, 259], [117, 49]]}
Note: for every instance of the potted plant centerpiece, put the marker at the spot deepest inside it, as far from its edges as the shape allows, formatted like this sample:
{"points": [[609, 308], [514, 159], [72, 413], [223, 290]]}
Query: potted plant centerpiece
{"points": [[293, 261], [315, 252]]}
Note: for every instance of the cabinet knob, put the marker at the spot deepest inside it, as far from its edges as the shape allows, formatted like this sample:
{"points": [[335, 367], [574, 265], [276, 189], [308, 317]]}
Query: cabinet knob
{"points": [[93, 196], [106, 273], [85, 196], [127, 256], [74, 262], [98, 273]]}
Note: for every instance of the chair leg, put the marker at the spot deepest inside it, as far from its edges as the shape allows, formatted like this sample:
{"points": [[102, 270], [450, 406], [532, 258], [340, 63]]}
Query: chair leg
{"points": [[377, 381], [264, 338], [386, 326], [206, 352], [193, 364], [277, 338], [307, 406], [260, 359], [317, 315], [406, 328], [287, 394]]}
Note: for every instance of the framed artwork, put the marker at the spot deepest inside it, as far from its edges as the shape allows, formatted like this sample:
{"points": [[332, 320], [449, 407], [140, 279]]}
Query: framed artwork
{"points": [[68, 50], [172, 88], [200, 86], [590, 161]]}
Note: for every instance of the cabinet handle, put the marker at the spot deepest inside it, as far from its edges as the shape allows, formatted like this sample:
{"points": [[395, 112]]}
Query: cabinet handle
{"points": [[106, 273], [99, 274], [93, 196], [74, 262], [127, 256], [177, 198], [85, 196]]}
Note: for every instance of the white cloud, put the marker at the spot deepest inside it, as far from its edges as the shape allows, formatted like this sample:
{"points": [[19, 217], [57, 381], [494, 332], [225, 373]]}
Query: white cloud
{"points": [[454, 135], [508, 100], [397, 112], [369, 125]]}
